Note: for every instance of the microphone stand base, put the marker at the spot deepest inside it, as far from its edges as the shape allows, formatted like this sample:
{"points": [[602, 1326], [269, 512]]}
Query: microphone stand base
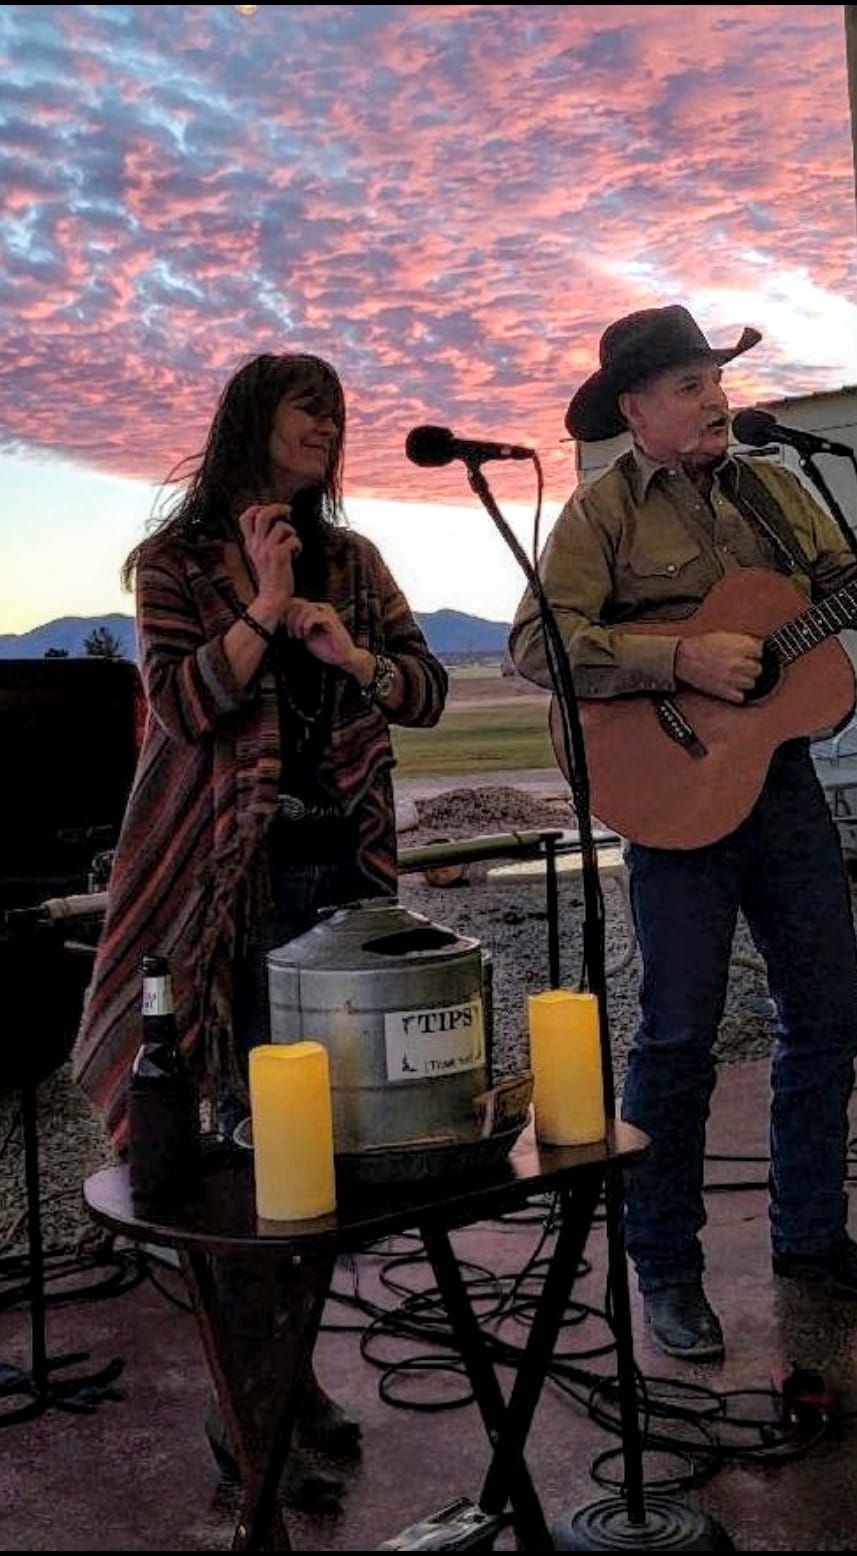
{"points": [[669, 1525]]}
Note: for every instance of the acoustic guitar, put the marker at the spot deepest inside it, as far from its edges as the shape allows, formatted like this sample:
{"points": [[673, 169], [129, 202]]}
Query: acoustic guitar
{"points": [[681, 769]]}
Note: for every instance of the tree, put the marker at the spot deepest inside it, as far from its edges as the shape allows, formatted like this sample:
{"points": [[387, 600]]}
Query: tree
{"points": [[56, 653], [103, 644]]}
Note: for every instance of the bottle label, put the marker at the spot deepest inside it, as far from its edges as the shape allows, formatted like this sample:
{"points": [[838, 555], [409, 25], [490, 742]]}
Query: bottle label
{"points": [[157, 997]]}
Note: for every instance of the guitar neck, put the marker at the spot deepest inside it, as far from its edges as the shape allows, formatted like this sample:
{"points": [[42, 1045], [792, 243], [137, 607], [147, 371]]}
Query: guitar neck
{"points": [[821, 621]]}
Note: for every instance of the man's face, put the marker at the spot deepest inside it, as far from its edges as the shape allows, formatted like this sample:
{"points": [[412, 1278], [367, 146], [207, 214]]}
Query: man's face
{"points": [[681, 415]]}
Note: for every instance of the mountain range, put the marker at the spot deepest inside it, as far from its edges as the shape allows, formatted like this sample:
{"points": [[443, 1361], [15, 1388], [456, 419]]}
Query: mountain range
{"points": [[449, 634]]}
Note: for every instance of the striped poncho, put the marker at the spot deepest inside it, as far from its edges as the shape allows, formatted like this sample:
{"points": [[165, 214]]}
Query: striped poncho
{"points": [[206, 788]]}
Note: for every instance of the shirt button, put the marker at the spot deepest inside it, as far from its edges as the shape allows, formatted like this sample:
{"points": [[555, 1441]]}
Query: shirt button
{"points": [[671, 567]]}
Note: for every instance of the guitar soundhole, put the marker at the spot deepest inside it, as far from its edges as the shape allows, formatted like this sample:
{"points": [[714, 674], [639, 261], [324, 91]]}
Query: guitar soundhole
{"points": [[769, 676]]}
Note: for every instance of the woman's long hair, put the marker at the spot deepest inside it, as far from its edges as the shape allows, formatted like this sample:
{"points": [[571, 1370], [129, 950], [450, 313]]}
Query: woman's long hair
{"points": [[234, 468]]}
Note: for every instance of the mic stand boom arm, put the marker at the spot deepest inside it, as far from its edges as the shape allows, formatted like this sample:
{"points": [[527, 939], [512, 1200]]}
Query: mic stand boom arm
{"points": [[593, 943]]}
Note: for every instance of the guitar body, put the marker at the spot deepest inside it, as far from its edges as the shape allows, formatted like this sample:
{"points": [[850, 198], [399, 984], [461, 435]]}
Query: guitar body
{"points": [[650, 789]]}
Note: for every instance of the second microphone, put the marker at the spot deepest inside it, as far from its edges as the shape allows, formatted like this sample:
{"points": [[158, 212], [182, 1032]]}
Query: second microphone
{"points": [[438, 446]]}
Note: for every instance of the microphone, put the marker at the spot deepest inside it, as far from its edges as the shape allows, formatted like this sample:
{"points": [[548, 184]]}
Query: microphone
{"points": [[758, 427], [437, 446]]}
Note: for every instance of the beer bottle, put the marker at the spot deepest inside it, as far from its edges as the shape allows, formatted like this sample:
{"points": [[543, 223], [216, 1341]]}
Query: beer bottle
{"points": [[163, 1109]]}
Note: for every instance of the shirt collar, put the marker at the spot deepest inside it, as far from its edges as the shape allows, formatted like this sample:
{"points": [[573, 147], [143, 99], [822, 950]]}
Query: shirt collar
{"points": [[647, 468]]}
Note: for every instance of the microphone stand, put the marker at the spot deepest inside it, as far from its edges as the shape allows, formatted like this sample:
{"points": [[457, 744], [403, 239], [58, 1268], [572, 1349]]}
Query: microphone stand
{"points": [[612, 1523], [811, 470], [807, 461]]}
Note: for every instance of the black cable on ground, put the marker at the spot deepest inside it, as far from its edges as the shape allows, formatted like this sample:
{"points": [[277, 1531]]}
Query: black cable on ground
{"points": [[115, 1271], [699, 1428], [148, 1273]]}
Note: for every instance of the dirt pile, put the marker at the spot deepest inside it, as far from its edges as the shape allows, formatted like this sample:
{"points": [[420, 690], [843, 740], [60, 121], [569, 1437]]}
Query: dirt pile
{"points": [[467, 812]]}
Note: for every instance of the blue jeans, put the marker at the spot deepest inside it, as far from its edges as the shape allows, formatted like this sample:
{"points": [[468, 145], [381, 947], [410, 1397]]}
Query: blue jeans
{"points": [[783, 868]]}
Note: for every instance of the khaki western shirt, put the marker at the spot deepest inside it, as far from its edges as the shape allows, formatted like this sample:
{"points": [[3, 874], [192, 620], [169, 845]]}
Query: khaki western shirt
{"points": [[642, 543]]}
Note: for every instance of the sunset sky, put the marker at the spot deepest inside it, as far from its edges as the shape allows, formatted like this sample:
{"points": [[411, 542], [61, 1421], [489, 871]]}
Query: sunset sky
{"points": [[449, 202]]}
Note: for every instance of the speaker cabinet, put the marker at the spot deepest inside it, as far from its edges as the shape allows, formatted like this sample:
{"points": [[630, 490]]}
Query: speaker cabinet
{"points": [[69, 738]]}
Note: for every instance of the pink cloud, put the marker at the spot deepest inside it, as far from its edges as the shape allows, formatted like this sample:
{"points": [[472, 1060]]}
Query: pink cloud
{"points": [[449, 202]]}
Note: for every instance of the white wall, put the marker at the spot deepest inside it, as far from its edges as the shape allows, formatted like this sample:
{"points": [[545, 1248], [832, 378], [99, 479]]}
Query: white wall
{"points": [[832, 415]]}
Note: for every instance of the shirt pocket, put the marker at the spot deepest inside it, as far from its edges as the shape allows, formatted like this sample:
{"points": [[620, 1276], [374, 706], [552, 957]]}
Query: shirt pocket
{"points": [[653, 558], [663, 575]]}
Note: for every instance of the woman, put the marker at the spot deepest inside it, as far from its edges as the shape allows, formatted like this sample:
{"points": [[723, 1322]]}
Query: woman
{"points": [[275, 650]]}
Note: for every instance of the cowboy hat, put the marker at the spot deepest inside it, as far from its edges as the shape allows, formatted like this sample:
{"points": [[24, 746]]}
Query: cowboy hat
{"points": [[633, 349]]}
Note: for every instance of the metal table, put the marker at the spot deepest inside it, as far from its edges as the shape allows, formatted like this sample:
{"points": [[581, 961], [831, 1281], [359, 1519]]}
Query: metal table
{"points": [[225, 1227]]}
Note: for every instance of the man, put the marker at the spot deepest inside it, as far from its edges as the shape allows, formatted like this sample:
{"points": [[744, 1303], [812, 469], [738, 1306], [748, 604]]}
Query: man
{"points": [[646, 541]]}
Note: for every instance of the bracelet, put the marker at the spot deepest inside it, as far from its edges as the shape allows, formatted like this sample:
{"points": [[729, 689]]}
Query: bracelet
{"points": [[260, 631], [383, 680]]}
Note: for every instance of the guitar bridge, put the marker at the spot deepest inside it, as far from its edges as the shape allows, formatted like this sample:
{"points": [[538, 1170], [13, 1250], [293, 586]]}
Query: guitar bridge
{"points": [[674, 724]]}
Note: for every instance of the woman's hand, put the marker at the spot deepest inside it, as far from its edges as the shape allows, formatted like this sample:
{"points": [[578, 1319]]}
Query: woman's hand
{"points": [[271, 545], [327, 638]]}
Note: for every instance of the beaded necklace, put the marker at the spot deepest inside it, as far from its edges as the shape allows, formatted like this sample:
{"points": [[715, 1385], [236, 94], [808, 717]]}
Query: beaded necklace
{"points": [[305, 668]]}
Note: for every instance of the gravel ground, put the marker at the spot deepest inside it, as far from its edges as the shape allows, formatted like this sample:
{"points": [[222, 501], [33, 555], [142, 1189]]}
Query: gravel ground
{"points": [[512, 928]]}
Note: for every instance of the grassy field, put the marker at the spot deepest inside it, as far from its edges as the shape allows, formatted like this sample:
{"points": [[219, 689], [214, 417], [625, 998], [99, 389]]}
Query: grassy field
{"points": [[491, 724]]}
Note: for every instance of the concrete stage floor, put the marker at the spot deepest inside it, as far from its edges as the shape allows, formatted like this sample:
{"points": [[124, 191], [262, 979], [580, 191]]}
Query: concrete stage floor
{"points": [[136, 1474]]}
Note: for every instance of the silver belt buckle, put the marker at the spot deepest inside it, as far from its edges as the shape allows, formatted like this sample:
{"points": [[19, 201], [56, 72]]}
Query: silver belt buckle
{"points": [[291, 808]]}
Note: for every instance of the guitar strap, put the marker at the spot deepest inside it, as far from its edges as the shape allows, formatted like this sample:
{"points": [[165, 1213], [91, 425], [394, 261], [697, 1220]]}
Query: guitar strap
{"points": [[758, 504]]}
